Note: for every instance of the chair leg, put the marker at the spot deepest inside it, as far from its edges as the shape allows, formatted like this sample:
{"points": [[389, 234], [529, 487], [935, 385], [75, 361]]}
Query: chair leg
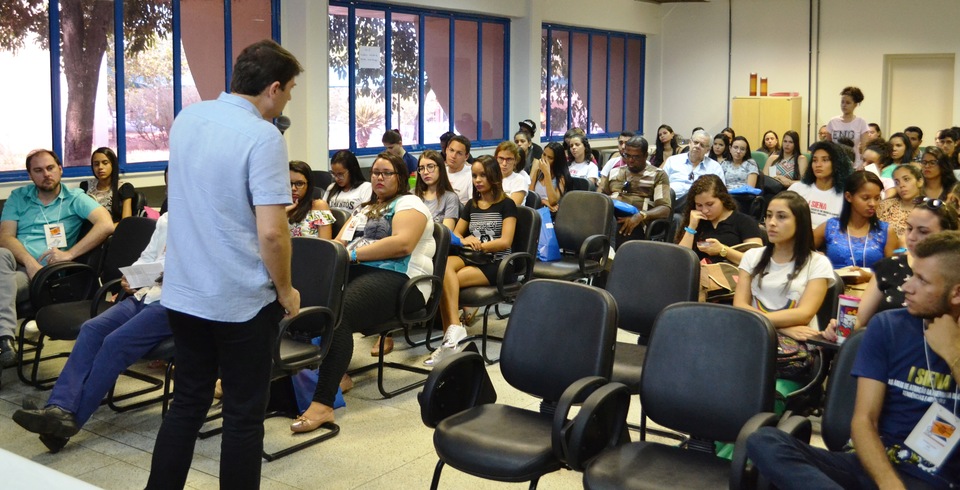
{"points": [[533, 483], [485, 337], [436, 475], [380, 365]]}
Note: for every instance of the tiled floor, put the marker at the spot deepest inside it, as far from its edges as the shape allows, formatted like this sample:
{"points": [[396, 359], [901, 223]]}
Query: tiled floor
{"points": [[382, 443]]}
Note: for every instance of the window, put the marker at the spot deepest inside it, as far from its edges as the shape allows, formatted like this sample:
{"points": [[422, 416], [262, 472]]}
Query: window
{"points": [[85, 83], [428, 73], [591, 80]]}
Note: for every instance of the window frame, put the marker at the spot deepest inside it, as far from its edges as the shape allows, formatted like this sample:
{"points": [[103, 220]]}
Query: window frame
{"points": [[421, 13], [548, 29], [53, 33]]}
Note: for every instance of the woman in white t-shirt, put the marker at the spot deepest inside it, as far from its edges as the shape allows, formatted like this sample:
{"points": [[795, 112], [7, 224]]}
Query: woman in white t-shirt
{"points": [[515, 183], [349, 189], [787, 279], [848, 124], [582, 165], [822, 185]]}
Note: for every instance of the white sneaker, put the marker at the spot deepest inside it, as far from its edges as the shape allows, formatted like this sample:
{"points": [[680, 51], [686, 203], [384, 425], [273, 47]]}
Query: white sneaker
{"points": [[454, 334], [450, 344]]}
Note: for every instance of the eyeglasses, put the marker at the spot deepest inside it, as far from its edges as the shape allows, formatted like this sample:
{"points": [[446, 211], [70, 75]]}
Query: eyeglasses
{"points": [[299, 184], [382, 175], [628, 156], [506, 159], [928, 163], [428, 168], [340, 176]]}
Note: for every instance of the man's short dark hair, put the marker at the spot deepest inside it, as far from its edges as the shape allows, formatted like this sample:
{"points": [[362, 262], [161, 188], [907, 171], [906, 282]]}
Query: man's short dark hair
{"points": [[949, 133], [638, 142], [40, 152], [259, 65], [627, 134], [946, 246], [392, 137], [914, 129], [463, 140]]}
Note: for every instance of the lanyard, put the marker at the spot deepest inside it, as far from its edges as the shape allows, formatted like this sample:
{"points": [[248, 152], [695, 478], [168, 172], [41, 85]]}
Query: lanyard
{"points": [[59, 211], [853, 259], [956, 388]]}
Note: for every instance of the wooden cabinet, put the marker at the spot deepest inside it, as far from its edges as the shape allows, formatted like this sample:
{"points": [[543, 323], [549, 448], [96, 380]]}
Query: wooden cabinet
{"points": [[753, 116]]}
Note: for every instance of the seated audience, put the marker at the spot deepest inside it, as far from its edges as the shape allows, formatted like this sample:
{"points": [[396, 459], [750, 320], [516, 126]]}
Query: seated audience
{"points": [[390, 239], [720, 150], [458, 172], [487, 225], [531, 151], [891, 399], [640, 184], [908, 182], [822, 184], [788, 164], [581, 159], [40, 225], [938, 176], [433, 187], [349, 189], [306, 216], [915, 136], [857, 239], [740, 170], [666, 146], [901, 151], [515, 181], [616, 160], [106, 346], [947, 141], [550, 176], [683, 169], [729, 132], [823, 134], [712, 224], [393, 142], [105, 186], [771, 143]]}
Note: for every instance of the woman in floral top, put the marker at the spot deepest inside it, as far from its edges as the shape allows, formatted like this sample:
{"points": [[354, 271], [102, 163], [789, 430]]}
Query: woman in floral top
{"points": [[306, 216], [908, 182]]}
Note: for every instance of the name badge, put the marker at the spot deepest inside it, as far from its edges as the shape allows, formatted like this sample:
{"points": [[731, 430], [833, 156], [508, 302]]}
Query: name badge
{"points": [[936, 435], [358, 220], [56, 235]]}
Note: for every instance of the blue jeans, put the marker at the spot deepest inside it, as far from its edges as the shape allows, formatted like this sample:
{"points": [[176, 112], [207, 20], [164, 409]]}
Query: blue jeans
{"points": [[106, 346]]}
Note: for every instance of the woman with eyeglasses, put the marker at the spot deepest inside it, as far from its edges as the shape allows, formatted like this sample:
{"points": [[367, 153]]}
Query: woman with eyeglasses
{"points": [[307, 216], [938, 176], [788, 164], [740, 169], [515, 182], [884, 291], [433, 187], [908, 183], [390, 240], [349, 189]]}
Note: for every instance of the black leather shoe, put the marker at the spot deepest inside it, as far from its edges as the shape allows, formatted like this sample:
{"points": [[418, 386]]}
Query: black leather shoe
{"points": [[53, 443], [8, 353], [50, 421]]}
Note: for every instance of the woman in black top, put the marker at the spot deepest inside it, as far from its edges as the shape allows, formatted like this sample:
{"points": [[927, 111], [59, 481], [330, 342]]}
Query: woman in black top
{"points": [[716, 224], [105, 187]]}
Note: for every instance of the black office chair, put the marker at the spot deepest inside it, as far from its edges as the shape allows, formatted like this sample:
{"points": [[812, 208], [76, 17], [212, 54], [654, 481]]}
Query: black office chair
{"points": [[405, 320], [321, 180], [61, 320], [646, 278], [577, 184], [532, 200], [583, 232], [550, 347], [709, 372], [342, 215], [665, 229], [514, 271]]}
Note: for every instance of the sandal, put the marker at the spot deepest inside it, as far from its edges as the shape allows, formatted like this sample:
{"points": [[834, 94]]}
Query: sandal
{"points": [[386, 344]]}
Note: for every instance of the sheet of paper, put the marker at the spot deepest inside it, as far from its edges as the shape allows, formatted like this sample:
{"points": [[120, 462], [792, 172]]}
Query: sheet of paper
{"points": [[142, 275]]}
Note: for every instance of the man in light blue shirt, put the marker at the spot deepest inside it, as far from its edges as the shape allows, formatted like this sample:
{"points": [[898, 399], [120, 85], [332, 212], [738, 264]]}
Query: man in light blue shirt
{"points": [[40, 225], [685, 168], [227, 272]]}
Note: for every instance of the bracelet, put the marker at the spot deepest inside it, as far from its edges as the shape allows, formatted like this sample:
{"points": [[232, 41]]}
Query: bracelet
{"points": [[689, 230], [353, 256]]}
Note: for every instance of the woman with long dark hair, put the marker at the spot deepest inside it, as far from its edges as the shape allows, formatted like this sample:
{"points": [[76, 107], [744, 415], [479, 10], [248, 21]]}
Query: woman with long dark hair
{"points": [[349, 189], [105, 186], [788, 164], [822, 185], [550, 177], [712, 224], [433, 187], [667, 145], [770, 143], [938, 176], [720, 151], [307, 216]]}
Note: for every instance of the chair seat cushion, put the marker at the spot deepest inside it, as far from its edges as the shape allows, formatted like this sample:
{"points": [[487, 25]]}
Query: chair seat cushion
{"points": [[295, 351], [651, 465], [565, 269], [62, 321], [628, 364], [497, 442], [479, 296]]}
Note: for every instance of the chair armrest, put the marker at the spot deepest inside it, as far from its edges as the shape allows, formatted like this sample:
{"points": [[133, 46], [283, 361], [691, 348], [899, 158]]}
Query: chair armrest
{"points": [[62, 282], [659, 225], [600, 424], [100, 296], [433, 301], [595, 247], [309, 323], [797, 426], [743, 475], [523, 268], [455, 384]]}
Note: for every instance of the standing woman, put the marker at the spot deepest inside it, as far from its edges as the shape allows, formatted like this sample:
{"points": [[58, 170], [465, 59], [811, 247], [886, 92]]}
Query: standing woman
{"points": [[857, 238], [667, 145], [487, 225], [105, 186], [822, 185], [306, 216], [848, 124], [581, 163], [433, 187], [740, 170], [720, 151], [908, 181], [788, 164], [938, 176], [771, 143], [349, 189], [549, 178]]}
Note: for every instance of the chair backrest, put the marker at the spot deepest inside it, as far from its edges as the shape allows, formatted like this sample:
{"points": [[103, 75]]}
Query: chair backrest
{"points": [[558, 332], [828, 309], [532, 200], [441, 236], [130, 237], [527, 233], [341, 215], [138, 202], [759, 157], [577, 184], [649, 276], [841, 395], [321, 180], [580, 215], [708, 369], [319, 272]]}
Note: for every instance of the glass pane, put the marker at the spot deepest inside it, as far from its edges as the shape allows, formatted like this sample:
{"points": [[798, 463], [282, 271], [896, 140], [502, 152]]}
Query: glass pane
{"points": [[369, 93], [25, 51], [405, 76], [579, 74], [493, 82], [616, 85], [203, 65], [338, 131], [544, 63], [465, 78], [250, 21], [148, 82], [598, 84], [436, 63], [559, 46], [635, 61]]}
